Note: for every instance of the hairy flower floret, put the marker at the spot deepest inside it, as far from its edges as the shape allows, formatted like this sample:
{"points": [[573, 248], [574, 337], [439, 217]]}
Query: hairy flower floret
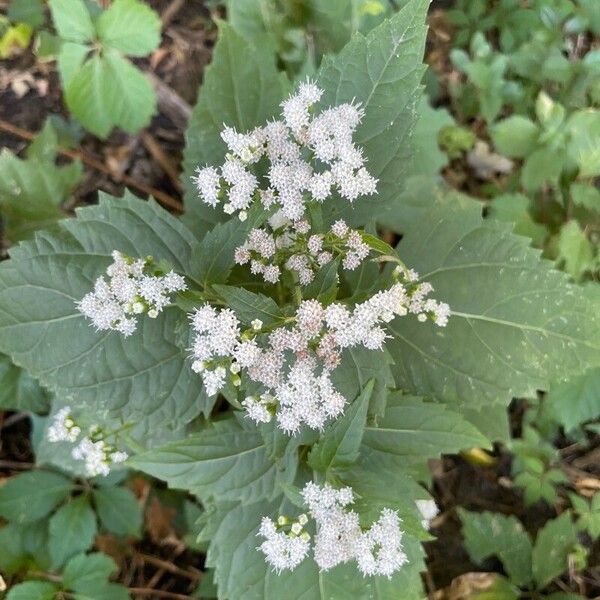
{"points": [[98, 456], [63, 427], [284, 547], [340, 538], [306, 156], [134, 287]]}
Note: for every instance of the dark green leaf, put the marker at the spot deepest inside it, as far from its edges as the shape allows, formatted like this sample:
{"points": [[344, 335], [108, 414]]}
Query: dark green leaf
{"points": [[33, 590], [249, 306], [85, 573], [72, 20], [118, 510]]}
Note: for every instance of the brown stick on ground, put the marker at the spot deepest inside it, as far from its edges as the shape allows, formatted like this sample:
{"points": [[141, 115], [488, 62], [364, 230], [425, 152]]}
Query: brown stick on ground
{"points": [[94, 163]]}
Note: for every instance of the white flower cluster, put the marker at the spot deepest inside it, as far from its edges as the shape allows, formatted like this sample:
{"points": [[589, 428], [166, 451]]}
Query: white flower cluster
{"points": [[339, 538], [286, 543], [291, 180], [290, 245], [94, 451], [131, 290], [294, 363]]}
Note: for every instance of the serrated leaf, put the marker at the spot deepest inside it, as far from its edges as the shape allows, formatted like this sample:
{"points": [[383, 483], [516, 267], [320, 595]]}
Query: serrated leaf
{"points": [[118, 510], [554, 542], [130, 27], [576, 400], [525, 327], [72, 20], [488, 534], [18, 390], [227, 460], [110, 91], [72, 529], [242, 88], [382, 72], [143, 379], [417, 430], [340, 442], [33, 590], [241, 571], [85, 573], [248, 305], [42, 490]]}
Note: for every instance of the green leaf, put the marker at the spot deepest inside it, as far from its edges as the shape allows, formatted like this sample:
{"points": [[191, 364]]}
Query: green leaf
{"points": [[340, 442], [525, 327], [501, 589], [242, 88], [13, 556], [488, 534], [515, 208], [241, 571], [110, 91], [515, 137], [42, 490], [227, 460], [583, 148], [72, 20], [130, 27], [555, 541], [576, 400], [325, 284], [105, 591], [84, 573], [542, 166], [575, 251], [72, 529], [382, 72], [586, 195], [18, 391], [33, 590], [417, 430], [143, 379], [249, 306], [70, 59], [32, 189], [118, 510], [27, 11]]}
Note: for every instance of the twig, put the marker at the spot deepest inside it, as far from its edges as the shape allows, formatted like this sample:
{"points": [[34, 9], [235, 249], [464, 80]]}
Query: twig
{"points": [[158, 593], [171, 11], [163, 198], [13, 419], [162, 159], [171, 103], [16, 465], [168, 566]]}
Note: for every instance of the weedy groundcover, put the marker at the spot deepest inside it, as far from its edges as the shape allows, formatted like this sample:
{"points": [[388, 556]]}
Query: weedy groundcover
{"points": [[268, 352]]}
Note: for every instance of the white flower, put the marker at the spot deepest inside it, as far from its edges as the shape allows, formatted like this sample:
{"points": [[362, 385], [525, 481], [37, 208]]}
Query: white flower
{"points": [[428, 510], [98, 456], [208, 183], [282, 551], [63, 428], [257, 408]]}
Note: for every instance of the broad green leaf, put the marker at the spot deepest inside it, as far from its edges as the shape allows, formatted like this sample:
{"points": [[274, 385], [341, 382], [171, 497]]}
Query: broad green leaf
{"points": [[242, 88], [249, 306], [357, 367], [416, 430], [241, 571], [333, 22], [105, 591], [33, 590], [85, 573], [12, 554], [118, 510], [575, 251], [583, 148], [325, 284], [32, 189], [382, 72], [18, 390], [525, 327], [542, 166], [143, 379], [129, 26], [226, 460], [70, 60], [488, 534], [42, 490], [554, 542], [110, 91], [72, 529], [340, 442], [72, 20], [576, 400], [515, 208], [515, 137]]}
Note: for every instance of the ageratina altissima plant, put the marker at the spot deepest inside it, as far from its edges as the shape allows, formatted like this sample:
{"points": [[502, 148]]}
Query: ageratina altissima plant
{"points": [[286, 168]]}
